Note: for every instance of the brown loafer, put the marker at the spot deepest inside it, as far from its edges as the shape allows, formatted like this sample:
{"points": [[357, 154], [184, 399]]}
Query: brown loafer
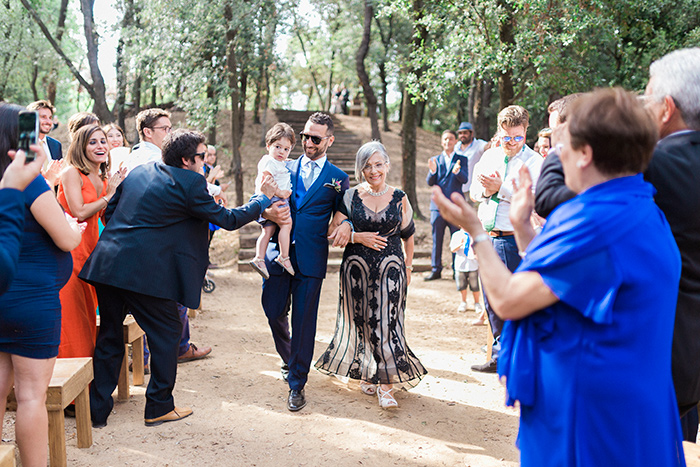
{"points": [[194, 353], [174, 415]]}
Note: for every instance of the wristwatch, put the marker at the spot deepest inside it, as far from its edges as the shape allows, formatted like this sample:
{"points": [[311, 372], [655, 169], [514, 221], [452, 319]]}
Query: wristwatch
{"points": [[480, 238]]}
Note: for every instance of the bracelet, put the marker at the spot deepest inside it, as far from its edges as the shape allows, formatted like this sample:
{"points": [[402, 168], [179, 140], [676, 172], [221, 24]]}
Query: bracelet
{"points": [[348, 221], [410, 268], [480, 238], [106, 200], [352, 237]]}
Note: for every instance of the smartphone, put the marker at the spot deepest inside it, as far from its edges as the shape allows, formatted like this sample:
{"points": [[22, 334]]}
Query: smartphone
{"points": [[28, 129]]}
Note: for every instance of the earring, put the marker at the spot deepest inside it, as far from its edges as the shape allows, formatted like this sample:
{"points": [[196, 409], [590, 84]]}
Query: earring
{"points": [[579, 164]]}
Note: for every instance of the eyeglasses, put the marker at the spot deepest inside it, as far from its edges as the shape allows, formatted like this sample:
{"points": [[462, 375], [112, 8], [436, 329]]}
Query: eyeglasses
{"points": [[517, 139], [199, 154], [314, 139], [165, 128], [377, 166]]}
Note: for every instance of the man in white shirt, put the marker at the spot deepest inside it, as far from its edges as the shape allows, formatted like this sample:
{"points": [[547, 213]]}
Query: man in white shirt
{"points": [[469, 147], [493, 188]]}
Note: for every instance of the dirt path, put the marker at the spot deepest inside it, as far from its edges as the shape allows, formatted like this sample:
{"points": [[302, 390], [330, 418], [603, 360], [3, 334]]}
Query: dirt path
{"points": [[454, 417]]}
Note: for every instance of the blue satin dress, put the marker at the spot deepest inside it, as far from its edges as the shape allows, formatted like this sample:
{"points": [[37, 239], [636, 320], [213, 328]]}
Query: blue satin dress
{"points": [[592, 373]]}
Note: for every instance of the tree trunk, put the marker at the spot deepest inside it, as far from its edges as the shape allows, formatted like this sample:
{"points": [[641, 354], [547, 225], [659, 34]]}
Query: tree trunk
{"points": [[236, 167], [121, 84], [98, 98], [506, 34], [408, 152], [211, 131], [362, 73], [242, 98], [385, 112], [420, 111], [265, 101], [258, 97], [329, 99], [154, 94], [98, 93], [311, 71], [470, 100], [32, 84], [136, 92]]}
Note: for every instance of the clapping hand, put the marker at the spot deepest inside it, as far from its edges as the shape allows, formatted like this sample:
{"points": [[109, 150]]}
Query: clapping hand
{"points": [[432, 165], [522, 203], [114, 181], [456, 211], [491, 183], [456, 168], [52, 172], [75, 225]]}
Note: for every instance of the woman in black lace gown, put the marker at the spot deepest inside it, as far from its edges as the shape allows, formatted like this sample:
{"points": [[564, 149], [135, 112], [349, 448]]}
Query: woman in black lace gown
{"points": [[369, 343]]}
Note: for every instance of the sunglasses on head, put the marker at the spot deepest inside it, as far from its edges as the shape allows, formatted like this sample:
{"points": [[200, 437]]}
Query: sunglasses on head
{"points": [[517, 139], [314, 139]]}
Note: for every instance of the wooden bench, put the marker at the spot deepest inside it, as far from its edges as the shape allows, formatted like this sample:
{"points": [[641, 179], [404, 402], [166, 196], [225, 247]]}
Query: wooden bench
{"points": [[7, 456], [133, 335], [69, 382]]}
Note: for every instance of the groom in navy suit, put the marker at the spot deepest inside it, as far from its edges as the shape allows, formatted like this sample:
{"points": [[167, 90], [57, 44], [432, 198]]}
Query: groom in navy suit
{"points": [[449, 171], [317, 191]]}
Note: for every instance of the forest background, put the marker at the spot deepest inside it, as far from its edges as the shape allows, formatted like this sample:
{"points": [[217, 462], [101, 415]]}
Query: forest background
{"points": [[424, 63]]}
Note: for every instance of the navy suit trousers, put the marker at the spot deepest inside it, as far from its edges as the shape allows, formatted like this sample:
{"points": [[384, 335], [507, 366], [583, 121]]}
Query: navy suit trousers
{"points": [[160, 320], [303, 294]]}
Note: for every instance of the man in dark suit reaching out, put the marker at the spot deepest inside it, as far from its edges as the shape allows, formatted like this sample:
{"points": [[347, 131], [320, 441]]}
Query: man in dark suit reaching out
{"points": [[151, 256], [317, 191]]}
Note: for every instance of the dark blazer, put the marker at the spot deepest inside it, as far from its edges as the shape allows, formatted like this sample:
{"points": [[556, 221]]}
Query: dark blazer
{"points": [[155, 238], [55, 148], [11, 228], [675, 173], [310, 220], [551, 190], [445, 179]]}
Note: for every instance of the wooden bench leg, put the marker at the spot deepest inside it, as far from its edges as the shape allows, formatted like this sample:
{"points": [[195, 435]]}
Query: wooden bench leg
{"points": [[123, 383], [57, 438], [83, 421], [137, 359]]}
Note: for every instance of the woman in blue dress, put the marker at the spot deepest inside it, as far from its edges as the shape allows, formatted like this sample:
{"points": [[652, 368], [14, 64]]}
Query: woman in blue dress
{"points": [[30, 310], [586, 350]]}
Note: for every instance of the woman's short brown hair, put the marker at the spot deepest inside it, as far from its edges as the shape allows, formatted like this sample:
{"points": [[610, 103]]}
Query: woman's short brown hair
{"points": [[77, 156], [81, 119], [279, 131], [614, 123]]}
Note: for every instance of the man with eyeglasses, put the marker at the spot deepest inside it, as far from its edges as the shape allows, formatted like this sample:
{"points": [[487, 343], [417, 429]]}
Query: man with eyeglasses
{"points": [[673, 99], [152, 256], [317, 192], [492, 187], [153, 126]]}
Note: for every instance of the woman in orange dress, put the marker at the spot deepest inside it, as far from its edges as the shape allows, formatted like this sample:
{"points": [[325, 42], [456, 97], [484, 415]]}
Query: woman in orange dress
{"points": [[84, 192]]}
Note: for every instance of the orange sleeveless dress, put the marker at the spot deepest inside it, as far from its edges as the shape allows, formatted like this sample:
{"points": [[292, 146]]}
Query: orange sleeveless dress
{"points": [[78, 298]]}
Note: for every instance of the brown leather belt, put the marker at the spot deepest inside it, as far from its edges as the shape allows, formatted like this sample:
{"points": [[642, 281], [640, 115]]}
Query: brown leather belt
{"points": [[501, 233]]}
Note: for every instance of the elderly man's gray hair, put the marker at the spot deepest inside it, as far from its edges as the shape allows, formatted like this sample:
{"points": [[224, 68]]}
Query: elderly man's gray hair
{"points": [[678, 75], [364, 153]]}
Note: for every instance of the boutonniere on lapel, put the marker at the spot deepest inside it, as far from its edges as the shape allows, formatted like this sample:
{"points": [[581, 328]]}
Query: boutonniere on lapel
{"points": [[335, 184]]}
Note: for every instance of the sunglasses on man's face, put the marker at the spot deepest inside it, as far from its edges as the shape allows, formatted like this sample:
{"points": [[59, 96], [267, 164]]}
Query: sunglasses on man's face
{"points": [[200, 155], [517, 139], [314, 139]]}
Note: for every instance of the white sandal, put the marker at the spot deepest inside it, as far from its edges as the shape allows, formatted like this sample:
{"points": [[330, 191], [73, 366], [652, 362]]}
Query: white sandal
{"points": [[368, 388], [281, 260], [386, 399]]}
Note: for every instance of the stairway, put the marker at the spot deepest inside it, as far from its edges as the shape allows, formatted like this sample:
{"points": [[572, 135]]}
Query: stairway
{"points": [[342, 155], [345, 146]]}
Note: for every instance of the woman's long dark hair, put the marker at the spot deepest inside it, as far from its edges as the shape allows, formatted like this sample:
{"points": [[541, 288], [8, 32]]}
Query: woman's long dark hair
{"points": [[8, 132]]}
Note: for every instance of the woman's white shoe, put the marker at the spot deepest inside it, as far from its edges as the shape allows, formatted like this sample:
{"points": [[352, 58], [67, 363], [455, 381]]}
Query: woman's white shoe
{"points": [[368, 388], [386, 398]]}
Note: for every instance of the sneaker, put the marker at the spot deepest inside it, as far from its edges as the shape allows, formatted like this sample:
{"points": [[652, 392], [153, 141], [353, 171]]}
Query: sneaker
{"points": [[478, 308], [462, 307]]}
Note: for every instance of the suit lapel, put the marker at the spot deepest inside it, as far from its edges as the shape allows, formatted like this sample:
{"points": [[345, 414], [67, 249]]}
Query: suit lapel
{"points": [[294, 167], [320, 180]]}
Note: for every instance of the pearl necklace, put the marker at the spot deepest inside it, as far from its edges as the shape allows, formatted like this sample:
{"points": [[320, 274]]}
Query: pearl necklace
{"points": [[376, 193]]}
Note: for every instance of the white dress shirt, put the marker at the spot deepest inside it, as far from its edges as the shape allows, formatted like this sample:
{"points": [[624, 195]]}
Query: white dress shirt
{"points": [[473, 152], [493, 161]]}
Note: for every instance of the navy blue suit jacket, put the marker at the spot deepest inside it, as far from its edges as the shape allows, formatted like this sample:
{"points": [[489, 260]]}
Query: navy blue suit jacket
{"points": [[445, 179], [155, 238], [11, 228], [54, 148], [310, 220]]}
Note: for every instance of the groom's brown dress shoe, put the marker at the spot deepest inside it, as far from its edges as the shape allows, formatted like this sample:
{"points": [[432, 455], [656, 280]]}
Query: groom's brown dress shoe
{"points": [[174, 415]]}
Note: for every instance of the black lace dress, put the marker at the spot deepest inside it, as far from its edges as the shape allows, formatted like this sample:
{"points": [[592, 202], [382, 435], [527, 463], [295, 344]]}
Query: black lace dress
{"points": [[369, 342]]}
